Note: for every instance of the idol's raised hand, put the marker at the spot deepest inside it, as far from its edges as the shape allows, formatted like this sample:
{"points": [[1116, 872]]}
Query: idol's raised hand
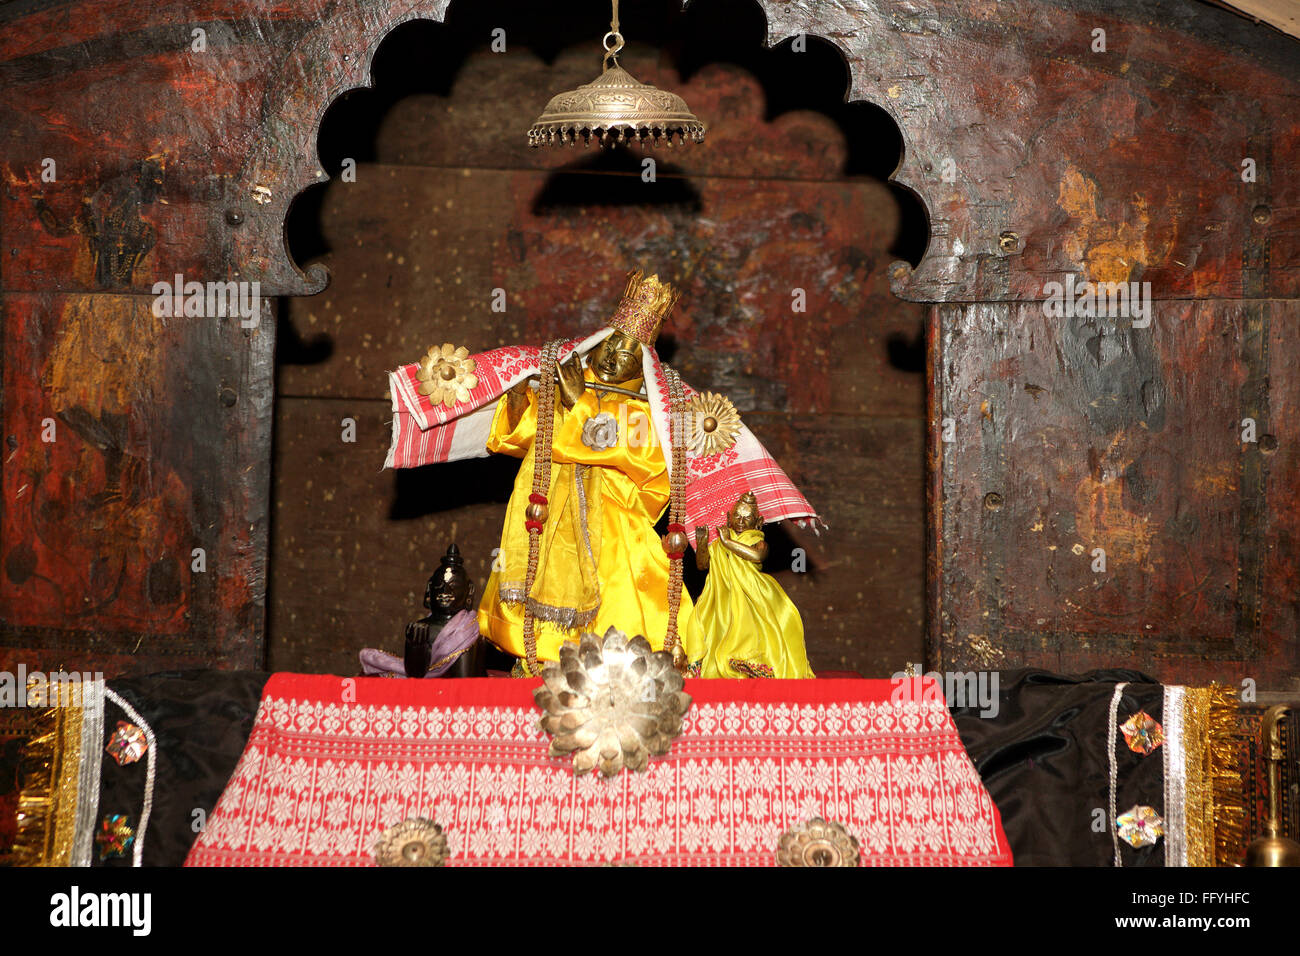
{"points": [[571, 381]]}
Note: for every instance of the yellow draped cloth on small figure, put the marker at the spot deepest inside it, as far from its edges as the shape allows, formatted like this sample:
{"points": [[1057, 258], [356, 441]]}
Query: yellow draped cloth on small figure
{"points": [[600, 561], [743, 616]]}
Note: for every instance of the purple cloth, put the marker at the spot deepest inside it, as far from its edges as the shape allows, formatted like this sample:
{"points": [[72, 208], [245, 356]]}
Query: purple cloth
{"points": [[456, 637]]}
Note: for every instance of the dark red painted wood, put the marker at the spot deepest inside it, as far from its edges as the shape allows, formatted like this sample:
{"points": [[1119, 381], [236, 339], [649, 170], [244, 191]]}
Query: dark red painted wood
{"points": [[1115, 166]]}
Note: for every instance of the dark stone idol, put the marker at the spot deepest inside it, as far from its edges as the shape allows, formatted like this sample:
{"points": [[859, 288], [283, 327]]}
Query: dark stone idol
{"points": [[449, 595]]}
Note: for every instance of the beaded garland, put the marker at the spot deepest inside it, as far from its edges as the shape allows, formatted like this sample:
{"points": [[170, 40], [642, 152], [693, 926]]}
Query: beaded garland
{"points": [[676, 500], [541, 484]]}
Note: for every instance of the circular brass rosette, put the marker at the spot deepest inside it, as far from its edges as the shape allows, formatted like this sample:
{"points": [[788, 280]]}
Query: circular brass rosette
{"points": [[712, 424], [616, 108], [612, 703], [446, 375], [413, 842], [817, 842]]}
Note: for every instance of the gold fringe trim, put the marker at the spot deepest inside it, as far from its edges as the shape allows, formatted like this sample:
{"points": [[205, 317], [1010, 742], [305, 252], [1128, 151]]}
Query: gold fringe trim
{"points": [[1216, 799], [1198, 809], [1223, 761], [50, 766]]}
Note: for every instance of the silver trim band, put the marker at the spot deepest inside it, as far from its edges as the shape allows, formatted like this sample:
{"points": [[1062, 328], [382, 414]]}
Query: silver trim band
{"points": [[92, 755], [1112, 726], [1175, 759], [137, 853]]}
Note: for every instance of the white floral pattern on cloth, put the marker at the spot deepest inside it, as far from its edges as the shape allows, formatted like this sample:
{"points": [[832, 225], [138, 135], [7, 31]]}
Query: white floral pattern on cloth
{"points": [[318, 784]]}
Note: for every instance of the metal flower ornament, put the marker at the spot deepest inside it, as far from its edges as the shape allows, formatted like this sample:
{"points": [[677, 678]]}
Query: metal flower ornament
{"points": [[600, 432], [1140, 827], [128, 743], [446, 375], [1142, 733], [612, 703], [713, 424]]}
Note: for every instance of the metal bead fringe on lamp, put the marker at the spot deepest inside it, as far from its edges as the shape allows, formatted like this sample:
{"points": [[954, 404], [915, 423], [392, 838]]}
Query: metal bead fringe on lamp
{"points": [[615, 108]]}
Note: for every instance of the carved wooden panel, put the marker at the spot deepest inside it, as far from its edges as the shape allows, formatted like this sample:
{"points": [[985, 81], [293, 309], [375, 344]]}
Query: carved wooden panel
{"points": [[1097, 501], [1034, 154], [1167, 157], [133, 504]]}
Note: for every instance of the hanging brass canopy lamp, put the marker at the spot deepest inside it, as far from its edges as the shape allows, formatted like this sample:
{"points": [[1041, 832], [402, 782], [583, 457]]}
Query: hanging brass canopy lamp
{"points": [[615, 108]]}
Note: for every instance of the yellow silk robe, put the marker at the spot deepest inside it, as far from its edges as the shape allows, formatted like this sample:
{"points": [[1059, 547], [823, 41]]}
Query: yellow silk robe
{"points": [[744, 618], [600, 561]]}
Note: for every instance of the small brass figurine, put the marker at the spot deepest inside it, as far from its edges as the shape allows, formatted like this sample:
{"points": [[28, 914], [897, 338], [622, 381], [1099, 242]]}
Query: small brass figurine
{"points": [[445, 642], [744, 624]]}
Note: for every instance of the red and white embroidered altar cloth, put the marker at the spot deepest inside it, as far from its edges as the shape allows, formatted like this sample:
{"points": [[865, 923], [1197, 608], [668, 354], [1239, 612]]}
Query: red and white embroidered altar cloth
{"points": [[331, 763]]}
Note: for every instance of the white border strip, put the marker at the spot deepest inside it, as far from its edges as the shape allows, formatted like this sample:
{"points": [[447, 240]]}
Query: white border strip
{"points": [[92, 755], [1114, 771], [1175, 776], [137, 855]]}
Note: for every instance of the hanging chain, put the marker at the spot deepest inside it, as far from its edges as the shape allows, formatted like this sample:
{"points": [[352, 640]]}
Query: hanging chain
{"points": [[611, 53], [542, 442]]}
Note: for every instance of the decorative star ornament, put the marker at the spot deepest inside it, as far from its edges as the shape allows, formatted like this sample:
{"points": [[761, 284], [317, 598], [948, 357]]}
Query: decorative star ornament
{"points": [[115, 836], [1143, 733], [128, 743], [1141, 826]]}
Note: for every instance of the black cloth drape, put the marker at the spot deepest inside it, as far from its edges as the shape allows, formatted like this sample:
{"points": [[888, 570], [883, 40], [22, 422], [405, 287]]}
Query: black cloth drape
{"points": [[201, 720], [1045, 757]]}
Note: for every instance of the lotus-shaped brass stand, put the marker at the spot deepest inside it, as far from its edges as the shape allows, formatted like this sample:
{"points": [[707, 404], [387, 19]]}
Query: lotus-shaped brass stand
{"points": [[611, 702]]}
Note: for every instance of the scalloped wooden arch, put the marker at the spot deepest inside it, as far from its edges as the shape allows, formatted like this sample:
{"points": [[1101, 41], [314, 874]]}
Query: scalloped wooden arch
{"points": [[1034, 155], [342, 47]]}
